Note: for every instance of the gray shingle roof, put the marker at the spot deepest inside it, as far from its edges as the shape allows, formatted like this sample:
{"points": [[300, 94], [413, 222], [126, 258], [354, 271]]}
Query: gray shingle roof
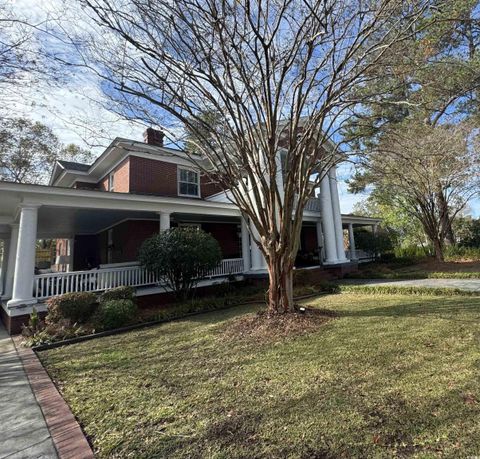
{"points": [[70, 165]]}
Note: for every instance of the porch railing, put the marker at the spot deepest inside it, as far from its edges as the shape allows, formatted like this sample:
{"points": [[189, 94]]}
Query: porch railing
{"points": [[53, 284], [359, 255]]}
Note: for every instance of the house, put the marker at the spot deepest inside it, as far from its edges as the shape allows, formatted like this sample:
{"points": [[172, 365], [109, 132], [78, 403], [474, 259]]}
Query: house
{"points": [[101, 213]]}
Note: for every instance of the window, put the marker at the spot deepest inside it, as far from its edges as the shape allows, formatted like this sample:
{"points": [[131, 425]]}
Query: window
{"points": [[188, 183], [111, 181]]}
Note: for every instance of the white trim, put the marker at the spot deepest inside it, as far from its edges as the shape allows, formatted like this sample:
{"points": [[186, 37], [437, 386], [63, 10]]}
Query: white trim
{"points": [[190, 169], [111, 181]]}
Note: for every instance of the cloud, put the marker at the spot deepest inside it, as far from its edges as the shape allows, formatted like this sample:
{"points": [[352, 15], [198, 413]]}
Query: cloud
{"points": [[71, 104]]}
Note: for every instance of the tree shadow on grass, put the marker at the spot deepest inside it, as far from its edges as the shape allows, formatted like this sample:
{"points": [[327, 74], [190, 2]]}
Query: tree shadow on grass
{"points": [[321, 424], [457, 308]]}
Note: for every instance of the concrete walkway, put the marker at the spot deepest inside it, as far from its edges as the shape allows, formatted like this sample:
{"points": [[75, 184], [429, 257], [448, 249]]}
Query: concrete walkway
{"points": [[472, 285], [23, 431]]}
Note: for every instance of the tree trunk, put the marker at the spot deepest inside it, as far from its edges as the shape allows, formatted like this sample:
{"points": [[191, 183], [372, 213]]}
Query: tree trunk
{"points": [[280, 293], [438, 249]]}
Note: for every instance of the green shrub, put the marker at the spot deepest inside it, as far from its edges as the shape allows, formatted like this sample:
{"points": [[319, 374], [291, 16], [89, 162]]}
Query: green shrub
{"points": [[115, 314], [181, 257], [460, 253], [77, 307], [53, 332], [118, 293]]}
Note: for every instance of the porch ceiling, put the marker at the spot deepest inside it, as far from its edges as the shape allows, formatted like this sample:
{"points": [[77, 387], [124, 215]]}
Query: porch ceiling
{"points": [[65, 211], [65, 222]]}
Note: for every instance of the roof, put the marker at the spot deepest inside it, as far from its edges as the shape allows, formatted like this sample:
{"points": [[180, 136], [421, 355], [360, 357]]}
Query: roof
{"points": [[70, 165]]}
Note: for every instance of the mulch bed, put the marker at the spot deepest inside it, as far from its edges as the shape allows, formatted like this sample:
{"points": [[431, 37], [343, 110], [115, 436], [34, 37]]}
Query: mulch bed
{"points": [[261, 327]]}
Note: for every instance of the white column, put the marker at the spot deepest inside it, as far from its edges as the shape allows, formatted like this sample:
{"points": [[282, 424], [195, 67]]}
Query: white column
{"points": [[351, 238], [258, 260], [70, 250], [245, 245], [327, 222], [375, 229], [25, 259], [6, 244], [337, 216], [12, 255], [320, 242], [164, 221]]}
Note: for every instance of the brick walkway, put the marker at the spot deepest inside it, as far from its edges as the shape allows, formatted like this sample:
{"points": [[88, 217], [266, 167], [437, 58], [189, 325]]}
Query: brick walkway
{"points": [[23, 430]]}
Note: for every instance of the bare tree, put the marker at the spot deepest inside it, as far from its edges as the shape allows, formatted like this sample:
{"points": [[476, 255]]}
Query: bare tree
{"points": [[429, 172], [276, 72], [28, 151]]}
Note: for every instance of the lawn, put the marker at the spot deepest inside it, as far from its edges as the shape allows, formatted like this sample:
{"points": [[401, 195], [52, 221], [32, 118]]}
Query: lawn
{"points": [[423, 268], [391, 376]]}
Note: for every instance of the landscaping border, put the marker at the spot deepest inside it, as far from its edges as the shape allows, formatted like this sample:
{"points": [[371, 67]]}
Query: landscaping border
{"points": [[67, 435], [340, 288], [118, 331]]}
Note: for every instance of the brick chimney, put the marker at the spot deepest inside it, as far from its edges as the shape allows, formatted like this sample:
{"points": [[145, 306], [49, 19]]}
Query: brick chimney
{"points": [[153, 137]]}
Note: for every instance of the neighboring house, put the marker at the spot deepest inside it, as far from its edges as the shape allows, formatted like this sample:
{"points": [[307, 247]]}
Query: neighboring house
{"points": [[101, 213]]}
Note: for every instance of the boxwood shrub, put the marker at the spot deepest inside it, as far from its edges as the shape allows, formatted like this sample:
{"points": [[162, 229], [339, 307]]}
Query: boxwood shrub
{"points": [[118, 293], [115, 314], [77, 307]]}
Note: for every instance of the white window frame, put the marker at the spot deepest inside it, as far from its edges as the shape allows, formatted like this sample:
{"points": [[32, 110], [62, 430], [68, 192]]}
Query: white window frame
{"points": [[111, 181], [179, 169]]}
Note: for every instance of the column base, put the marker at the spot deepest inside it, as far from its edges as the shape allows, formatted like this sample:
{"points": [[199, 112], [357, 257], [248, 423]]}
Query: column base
{"points": [[14, 303], [336, 262]]}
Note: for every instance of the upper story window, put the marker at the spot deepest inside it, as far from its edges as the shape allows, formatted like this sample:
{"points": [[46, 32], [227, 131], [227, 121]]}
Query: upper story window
{"points": [[111, 181], [188, 182]]}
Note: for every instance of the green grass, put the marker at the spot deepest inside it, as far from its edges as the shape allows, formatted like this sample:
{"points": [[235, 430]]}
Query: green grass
{"points": [[426, 268], [393, 375]]}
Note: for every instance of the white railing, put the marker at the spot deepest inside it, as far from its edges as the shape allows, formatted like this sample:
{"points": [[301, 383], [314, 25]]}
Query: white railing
{"points": [[53, 284], [226, 267], [358, 254]]}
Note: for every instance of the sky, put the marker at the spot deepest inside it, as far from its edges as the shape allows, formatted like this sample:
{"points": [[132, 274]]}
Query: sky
{"points": [[74, 108]]}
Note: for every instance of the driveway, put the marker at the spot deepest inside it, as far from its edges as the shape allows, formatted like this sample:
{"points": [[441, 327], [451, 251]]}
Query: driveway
{"points": [[472, 285], [23, 431]]}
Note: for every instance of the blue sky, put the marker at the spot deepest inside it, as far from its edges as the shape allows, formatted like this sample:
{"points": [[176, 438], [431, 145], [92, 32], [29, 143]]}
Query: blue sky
{"points": [[76, 109]]}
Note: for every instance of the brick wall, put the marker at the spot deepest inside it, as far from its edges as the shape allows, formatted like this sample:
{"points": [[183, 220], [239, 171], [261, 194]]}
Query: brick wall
{"points": [[121, 180], [208, 188], [148, 176], [227, 235], [309, 239], [127, 239]]}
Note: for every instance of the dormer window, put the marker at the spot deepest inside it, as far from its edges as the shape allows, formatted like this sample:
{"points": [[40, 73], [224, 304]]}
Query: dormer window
{"points": [[111, 181], [188, 182]]}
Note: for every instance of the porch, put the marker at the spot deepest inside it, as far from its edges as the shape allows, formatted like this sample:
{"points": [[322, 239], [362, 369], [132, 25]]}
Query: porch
{"points": [[102, 232]]}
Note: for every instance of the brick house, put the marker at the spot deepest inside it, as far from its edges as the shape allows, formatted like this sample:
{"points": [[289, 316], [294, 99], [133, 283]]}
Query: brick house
{"points": [[101, 213]]}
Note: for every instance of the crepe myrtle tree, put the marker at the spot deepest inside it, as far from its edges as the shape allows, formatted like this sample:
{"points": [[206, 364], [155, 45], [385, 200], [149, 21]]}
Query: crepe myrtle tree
{"points": [[274, 72]]}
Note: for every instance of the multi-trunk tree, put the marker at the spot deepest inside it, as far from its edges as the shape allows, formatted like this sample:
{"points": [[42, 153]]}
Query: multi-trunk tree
{"points": [[423, 170], [275, 73], [432, 88]]}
